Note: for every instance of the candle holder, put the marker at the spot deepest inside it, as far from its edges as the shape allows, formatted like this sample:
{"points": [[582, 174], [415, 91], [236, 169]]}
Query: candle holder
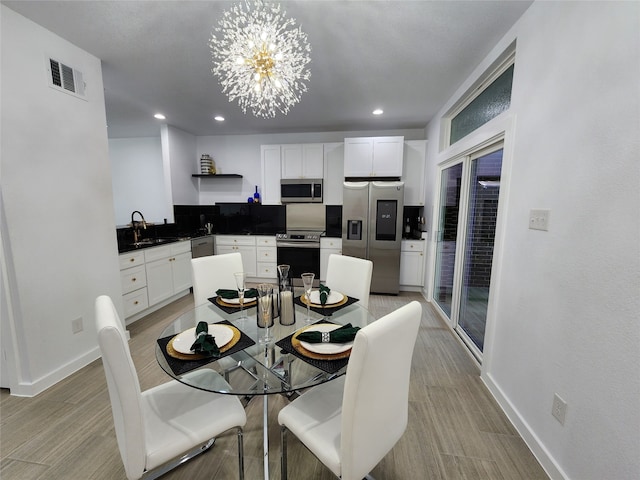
{"points": [[287, 308]]}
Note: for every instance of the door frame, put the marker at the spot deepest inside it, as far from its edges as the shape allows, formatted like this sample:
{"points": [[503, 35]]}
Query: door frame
{"points": [[501, 128]]}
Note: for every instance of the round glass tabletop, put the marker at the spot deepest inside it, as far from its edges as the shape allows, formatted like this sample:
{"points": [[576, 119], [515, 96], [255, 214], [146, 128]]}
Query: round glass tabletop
{"points": [[249, 366]]}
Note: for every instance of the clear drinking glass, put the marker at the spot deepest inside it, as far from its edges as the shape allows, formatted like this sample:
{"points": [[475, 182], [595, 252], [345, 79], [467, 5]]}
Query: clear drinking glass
{"points": [[307, 281], [241, 279], [265, 311]]}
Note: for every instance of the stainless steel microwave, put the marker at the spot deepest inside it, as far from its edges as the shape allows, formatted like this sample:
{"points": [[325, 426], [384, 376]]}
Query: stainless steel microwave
{"points": [[301, 190]]}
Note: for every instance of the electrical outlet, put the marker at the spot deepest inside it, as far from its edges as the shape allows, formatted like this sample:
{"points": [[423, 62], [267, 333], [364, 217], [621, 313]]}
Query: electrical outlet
{"points": [[539, 219], [76, 325], [559, 409]]}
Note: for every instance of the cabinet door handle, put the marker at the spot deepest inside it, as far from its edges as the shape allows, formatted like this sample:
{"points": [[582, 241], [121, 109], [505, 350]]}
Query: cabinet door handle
{"points": [[136, 302], [133, 279], [132, 259]]}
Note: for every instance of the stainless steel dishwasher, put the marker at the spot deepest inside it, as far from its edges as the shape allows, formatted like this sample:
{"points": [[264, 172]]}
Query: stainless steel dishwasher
{"points": [[202, 246]]}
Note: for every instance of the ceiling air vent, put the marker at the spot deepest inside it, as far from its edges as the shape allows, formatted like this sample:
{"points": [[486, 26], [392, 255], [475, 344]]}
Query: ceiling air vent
{"points": [[65, 78]]}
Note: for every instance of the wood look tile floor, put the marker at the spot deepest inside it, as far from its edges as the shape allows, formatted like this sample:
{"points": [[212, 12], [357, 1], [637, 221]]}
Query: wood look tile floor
{"points": [[456, 429]]}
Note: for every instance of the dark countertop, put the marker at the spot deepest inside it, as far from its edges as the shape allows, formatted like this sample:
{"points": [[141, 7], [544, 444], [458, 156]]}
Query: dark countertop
{"points": [[150, 242]]}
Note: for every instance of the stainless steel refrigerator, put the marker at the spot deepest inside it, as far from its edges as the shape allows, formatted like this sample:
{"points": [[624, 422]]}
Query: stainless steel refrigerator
{"points": [[372, 229]]}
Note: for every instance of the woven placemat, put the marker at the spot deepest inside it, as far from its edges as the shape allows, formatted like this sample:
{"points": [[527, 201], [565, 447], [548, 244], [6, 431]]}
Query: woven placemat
{"points": [[306, 301], [326, 364], [179, 366], [295, 343], [195, 356], [328, 310], [230, 307]]}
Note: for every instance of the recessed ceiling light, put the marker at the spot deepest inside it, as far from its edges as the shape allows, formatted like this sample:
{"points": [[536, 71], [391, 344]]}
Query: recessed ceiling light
{"points": [[219, 118], [159, 116], [378, 111]]}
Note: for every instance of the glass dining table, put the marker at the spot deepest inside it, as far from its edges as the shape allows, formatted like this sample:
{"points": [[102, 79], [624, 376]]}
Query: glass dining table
{"points": [[252, 368]]}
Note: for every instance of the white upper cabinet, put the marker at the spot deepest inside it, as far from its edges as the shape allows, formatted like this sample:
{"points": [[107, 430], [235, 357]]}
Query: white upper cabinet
{"points": [[373, 156], [333, 173], [302, 160], [270, 163], [413, 172]]}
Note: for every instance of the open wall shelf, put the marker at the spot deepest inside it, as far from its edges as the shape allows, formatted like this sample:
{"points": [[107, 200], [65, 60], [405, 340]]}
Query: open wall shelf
{"points": [[218, 175]]}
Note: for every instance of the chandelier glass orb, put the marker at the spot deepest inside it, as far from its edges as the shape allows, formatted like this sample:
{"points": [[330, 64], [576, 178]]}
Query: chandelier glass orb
{"points": [[260, 58]]}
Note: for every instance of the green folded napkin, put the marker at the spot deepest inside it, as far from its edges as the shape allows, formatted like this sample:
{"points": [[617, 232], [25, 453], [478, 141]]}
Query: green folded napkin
{"points": [[344, 334], [324, 294], [229, 294], [205, 344]]}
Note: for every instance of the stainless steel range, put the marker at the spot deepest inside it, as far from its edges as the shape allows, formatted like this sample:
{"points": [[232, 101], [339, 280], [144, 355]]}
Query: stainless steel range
{"points": [[300, 245], [301, 250]]}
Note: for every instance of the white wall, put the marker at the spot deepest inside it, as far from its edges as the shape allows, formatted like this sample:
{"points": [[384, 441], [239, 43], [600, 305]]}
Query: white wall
{"points": [[564, 316], [241, 154], [138, 179], [179, 157], [58, 242]]}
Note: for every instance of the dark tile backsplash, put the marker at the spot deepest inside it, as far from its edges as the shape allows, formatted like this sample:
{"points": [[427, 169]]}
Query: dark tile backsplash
{"points": [[231, 218], [227, 218], [191, 219]]}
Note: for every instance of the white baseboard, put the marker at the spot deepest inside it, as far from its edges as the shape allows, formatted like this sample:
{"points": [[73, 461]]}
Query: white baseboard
{"points": [[410, 288], [40, 385], [538, 449]]}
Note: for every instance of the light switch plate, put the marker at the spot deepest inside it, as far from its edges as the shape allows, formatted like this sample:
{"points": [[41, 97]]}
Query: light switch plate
{"points": [[539, 219]]}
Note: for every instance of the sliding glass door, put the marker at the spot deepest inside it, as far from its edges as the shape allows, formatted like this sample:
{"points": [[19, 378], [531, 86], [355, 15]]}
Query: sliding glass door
{"points": [[447, 236], [468, 212]]}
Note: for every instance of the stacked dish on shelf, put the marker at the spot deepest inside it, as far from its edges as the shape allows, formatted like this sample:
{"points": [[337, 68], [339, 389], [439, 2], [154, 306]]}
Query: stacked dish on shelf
{"points": [[207, 166]]}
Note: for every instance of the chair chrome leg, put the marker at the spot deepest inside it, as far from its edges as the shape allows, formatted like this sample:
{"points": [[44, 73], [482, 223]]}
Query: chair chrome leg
{"points": [[240, 454], [167, 467], [283, 453]]}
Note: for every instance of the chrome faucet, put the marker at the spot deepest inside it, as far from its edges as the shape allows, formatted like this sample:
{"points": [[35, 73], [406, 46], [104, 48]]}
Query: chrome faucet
{"points": [[135, 225]]}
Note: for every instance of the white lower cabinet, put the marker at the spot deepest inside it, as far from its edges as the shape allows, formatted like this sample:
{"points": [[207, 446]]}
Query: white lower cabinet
{"points": [[133, 279], [412, 258], [328, 246], [154, 274], [168, 270], [266, 257], [245, 245], [135, 302]]}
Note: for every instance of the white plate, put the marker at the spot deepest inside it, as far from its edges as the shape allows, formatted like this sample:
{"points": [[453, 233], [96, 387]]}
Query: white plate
{"points": [[334, 297], [325, 348], [236, 301], [183, 341]]}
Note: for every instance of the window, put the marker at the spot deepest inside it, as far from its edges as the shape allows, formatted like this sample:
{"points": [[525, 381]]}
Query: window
{"points": [[487, 99], [493, 100]]}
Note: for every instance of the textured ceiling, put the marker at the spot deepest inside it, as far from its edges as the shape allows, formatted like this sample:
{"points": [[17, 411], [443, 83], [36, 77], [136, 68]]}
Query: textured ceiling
{"points": [[407, 57]]}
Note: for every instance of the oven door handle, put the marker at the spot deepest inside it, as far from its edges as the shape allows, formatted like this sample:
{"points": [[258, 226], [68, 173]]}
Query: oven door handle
{"points": [[298, 244]]}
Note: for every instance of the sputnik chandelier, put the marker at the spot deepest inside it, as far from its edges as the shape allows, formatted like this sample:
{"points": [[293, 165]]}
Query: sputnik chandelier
{"points": [[260, 58]]}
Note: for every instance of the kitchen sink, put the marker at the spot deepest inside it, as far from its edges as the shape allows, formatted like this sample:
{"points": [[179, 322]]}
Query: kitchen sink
{"points": [[153, 241]]}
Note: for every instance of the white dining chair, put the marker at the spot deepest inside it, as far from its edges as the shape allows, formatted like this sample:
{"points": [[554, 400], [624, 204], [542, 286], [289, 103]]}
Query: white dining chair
{"points": [[351, 276], [162, 427], [213, 272], [352, 422]]}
